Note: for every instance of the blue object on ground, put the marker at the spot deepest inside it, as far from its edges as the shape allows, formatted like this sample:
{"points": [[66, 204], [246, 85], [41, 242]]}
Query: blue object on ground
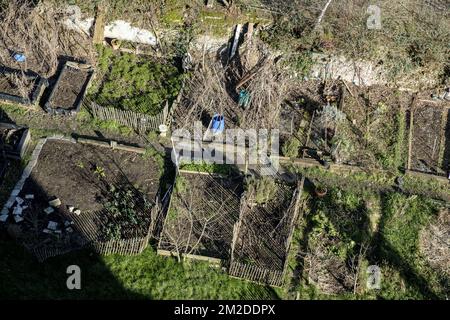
{"points": [[217, 123], [19, 57], [244, 99]]}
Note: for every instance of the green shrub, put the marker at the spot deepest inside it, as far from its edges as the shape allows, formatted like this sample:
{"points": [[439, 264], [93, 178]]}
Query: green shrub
{"points": [[122, 214], [264, 189], [290, 147], [136, 83], [152, 153]]}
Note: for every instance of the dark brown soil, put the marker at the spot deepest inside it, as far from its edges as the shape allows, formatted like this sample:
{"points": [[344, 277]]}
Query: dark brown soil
{"points": [[67, 171], [69, 88], [71, 172]]}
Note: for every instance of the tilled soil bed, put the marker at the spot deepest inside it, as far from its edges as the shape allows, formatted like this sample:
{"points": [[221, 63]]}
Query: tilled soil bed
{"points": [[70, 87], [67, 170], [104, 194]]}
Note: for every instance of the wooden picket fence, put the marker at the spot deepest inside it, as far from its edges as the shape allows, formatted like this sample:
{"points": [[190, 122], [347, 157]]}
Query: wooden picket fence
{"points": [[43, 254], [142, 123], [123, 247], [256, 274]]}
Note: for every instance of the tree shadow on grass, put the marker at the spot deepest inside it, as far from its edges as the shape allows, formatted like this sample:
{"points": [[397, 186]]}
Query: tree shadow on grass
{"points": [[446, 161], [23, 277], [385, 251]]}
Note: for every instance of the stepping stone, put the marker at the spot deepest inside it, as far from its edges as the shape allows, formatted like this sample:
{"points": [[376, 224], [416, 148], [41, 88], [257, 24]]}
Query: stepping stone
{"points": [[5, 211], [67, 223], [77, 212], [3, 218], [58, 231], [71, 208], [69, 229], [10, 203], [52, 225], [19, 200], [29, 196], [49, 210], [17, 210], [46, 231], [55, 203], [18, 219]]}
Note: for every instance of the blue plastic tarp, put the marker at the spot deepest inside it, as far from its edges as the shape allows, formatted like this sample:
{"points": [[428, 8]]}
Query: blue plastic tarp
{"points": [[217, 123], [19, 57]]}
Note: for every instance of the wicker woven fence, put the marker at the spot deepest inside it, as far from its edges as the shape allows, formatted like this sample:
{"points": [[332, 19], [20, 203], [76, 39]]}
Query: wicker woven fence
{"points": [[256, 274], [140, 122]]}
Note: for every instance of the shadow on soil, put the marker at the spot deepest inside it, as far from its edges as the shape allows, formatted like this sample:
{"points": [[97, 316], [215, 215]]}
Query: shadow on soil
{"points": [[23, 277], [446, 161]]}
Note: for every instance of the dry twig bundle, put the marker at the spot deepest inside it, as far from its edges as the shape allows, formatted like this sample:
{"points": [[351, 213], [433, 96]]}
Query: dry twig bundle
{"points": [[214, 88], [37, 31]]}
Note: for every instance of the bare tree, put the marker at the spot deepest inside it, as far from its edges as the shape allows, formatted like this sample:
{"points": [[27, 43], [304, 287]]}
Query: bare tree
{"points": [[194, 223]]}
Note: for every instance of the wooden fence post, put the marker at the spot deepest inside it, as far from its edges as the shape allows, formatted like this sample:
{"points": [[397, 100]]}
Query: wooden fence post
{"points": [[99, 27]]}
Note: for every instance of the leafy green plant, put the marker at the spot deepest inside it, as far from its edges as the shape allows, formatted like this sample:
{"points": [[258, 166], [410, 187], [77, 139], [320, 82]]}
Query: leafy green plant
{"points": [[100, 172], [152, 153], [136, 83], [181, 184], [301, 63], [122, 214], [264, 189], [291, 147]]}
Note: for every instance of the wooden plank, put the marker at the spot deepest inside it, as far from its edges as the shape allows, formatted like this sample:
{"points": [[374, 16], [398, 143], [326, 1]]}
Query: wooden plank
{"points": [[99, 27], [411, 132]]}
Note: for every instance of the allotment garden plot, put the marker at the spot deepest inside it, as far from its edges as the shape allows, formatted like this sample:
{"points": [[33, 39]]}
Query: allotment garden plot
{"points": [[137, 83], [79, 194], [346, 124], [203, 210], [69, 89], [263, 233], [20, 88], [429, 145]]}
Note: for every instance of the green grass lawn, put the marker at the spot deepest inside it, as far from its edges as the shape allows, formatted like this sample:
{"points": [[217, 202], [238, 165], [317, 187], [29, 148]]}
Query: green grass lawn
{"points": [[393, 244], [146, 276], [406, 273]]}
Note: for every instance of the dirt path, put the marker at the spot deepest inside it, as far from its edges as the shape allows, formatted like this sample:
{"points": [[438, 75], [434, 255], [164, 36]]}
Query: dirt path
{"points": [[42, 124]]}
